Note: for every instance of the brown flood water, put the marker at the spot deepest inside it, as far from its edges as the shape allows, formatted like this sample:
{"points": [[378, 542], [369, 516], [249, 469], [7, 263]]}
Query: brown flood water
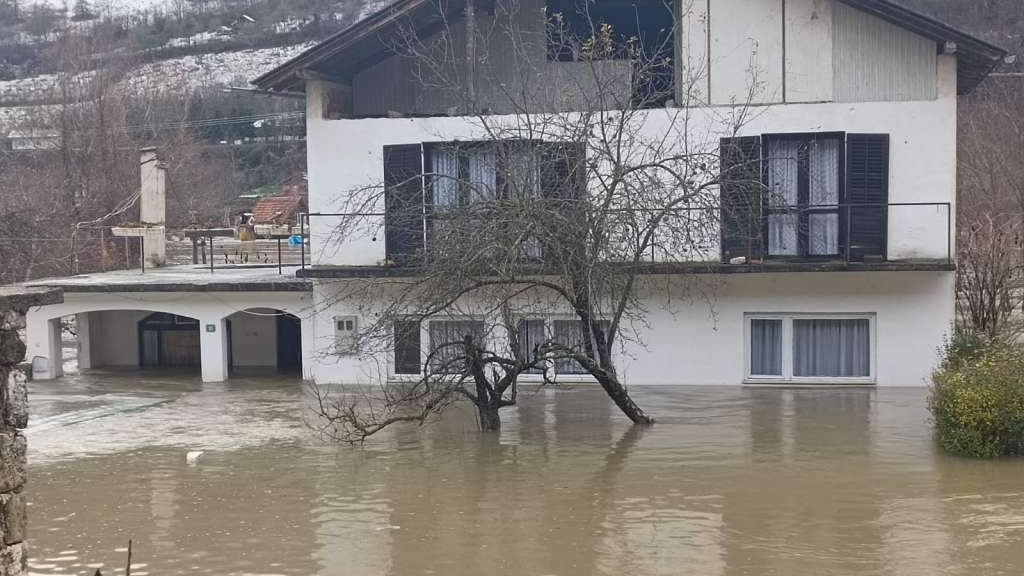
{"points": [[731, 481]]}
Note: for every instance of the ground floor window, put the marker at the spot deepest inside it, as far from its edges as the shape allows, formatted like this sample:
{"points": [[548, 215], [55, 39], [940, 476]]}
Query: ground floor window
{"points": [[447, 353], [805, 347], [569, 333]]}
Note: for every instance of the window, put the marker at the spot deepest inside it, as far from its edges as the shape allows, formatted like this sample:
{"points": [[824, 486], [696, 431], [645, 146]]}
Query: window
{"points": [[795, 347], [407, 347], [446, 339], [345, 334], [803, 181], [766, 348], [571, 333], [466, 172], [804, 196], [531, 334]]}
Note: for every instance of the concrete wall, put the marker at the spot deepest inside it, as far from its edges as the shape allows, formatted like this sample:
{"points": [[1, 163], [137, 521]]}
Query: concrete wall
{"points": [[120, 311], [347, 155], [694, 331]]}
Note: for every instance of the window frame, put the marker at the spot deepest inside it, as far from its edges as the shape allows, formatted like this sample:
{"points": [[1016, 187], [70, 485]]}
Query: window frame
{"points": [[803, 208], [426, 351], [787, 377]]}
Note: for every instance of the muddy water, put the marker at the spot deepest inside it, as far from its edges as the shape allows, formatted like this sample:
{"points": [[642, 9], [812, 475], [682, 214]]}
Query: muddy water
{"points": [[731, 481]]}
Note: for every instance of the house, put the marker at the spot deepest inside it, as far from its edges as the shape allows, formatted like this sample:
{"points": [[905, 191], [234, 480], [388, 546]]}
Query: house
{"points": [[827, 256], [852, 105]]}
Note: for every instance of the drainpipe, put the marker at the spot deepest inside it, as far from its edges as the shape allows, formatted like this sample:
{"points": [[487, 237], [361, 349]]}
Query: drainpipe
{"points": [[470, 56]]}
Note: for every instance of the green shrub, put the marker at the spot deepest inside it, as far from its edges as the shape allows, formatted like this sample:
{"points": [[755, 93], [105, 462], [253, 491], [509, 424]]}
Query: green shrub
{"points": [[977, 399]]}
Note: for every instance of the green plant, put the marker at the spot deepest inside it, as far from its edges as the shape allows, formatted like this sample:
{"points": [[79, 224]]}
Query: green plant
{"points": [[977, 399], [961, 346]]}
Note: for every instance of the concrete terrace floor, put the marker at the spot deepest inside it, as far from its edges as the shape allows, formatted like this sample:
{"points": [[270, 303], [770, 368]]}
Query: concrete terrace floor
{"points": [[189, 278]]}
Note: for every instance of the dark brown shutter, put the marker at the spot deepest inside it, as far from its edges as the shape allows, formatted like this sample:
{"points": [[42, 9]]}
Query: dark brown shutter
{"points": [[403, 193], [867, 194], [741, 198]]}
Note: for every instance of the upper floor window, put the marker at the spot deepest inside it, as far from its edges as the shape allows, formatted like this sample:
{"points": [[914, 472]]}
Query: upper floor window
{"points": [[462, 173], [819, 195]]}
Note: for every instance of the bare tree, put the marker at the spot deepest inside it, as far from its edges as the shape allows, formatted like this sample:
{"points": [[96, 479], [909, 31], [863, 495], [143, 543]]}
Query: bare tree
{"points": [[581, 188], [990, 263]]}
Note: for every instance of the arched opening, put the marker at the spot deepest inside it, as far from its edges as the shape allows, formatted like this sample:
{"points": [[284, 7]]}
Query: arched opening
{"points": [[264, 341], [169, 341]]}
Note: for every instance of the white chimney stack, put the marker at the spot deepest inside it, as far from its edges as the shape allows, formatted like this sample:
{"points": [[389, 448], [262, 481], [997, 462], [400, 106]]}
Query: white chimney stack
{"points": [[153, 193]]}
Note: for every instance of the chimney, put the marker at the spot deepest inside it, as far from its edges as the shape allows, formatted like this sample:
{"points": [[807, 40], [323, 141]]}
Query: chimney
{"points": [[153, 193], [153, 207]]}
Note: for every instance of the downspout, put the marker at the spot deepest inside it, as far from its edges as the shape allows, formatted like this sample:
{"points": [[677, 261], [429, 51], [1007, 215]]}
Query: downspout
{"points": [[470, 57]]}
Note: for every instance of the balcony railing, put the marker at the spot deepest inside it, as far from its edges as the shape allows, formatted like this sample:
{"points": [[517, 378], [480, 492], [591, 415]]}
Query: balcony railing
{"points": [[907, 232]]}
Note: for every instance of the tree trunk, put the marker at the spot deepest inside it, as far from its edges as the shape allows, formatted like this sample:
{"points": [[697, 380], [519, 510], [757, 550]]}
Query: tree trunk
{"points": [[490, 420], [621, 397]]}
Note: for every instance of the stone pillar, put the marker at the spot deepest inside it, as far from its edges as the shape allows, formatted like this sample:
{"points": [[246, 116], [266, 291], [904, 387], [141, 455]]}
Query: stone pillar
{"points": [[83, 324], [14, 303], [213, 347]]}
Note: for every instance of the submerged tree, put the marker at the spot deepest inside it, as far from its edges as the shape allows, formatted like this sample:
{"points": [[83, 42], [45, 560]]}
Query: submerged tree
{"points": [[580, 186]]}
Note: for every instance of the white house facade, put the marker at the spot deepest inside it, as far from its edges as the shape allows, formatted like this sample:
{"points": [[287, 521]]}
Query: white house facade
{"points": [[860, 293], [849, 280]]}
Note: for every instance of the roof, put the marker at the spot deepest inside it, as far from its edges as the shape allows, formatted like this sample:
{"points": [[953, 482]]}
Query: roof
{"points": [[367, 41], [277, 209]]}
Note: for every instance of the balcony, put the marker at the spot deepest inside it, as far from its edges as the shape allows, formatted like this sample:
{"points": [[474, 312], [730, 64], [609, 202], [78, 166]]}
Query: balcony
{"points": [[911, 236]]}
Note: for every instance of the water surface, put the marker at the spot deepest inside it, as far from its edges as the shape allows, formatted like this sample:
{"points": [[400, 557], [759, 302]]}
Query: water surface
{"points": [[731, 481]]}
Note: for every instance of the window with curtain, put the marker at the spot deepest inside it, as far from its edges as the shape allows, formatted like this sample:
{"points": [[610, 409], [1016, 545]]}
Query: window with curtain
{"points": [[531, 333], [407, 346], [766, 347], [832, 348], [571, 333], [444, 165], [795, 346], [804, 193], [446, 337]]}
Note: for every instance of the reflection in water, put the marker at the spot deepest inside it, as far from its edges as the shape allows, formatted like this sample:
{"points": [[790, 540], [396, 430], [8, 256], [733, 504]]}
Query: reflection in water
{"points": [[732, 481]]}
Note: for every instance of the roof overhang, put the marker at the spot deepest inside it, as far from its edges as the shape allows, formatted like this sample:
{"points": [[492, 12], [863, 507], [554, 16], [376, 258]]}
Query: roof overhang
{"points": [[372, 39]]}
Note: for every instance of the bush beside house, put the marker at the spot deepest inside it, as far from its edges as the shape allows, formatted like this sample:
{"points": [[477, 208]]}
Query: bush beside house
{"points": [[978, 397]]}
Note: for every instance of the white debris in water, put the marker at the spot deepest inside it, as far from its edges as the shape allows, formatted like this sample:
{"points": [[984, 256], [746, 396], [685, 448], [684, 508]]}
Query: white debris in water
{"points": [[192, 458]]}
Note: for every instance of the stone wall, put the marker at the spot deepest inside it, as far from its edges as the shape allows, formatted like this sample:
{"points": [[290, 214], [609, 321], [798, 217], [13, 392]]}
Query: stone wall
{"points": [[14, 303]]}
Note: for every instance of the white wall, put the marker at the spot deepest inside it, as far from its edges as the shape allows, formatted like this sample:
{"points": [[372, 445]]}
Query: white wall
{"points": [[346, 155], [117, 338], [114, 337], [695, 331]]}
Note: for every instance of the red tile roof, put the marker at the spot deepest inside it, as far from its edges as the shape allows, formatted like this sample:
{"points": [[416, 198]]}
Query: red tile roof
{"points": [[278, 209]]}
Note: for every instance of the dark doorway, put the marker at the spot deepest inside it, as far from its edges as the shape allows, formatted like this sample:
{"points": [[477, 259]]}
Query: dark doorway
{"points": [[289, 343], [169, 341]]}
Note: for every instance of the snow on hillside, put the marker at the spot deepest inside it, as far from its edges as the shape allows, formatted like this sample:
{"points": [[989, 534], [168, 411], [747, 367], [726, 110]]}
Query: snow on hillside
{"points": [[184, 74], [205, 70]]}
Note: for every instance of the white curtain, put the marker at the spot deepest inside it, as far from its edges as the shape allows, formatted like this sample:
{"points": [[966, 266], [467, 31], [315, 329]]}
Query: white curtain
{"points": [[446, 337], [823, 164], [765, 347], [482, 172], [570, 333], [531, 335], [445, 167], [523, 172], [832, 348], [783, 192]]}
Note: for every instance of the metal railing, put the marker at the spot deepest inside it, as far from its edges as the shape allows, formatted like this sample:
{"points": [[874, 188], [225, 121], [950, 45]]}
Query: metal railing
{"points": [[710, 223]]}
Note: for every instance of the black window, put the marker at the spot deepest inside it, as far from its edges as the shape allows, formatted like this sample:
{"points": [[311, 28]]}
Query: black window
{"points": [[803, 177], [804, 196], [423, 181], [407, 347]]}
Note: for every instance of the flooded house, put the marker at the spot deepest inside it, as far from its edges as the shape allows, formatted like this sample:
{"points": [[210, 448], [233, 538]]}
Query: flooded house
{"points": [[842, 274]]}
